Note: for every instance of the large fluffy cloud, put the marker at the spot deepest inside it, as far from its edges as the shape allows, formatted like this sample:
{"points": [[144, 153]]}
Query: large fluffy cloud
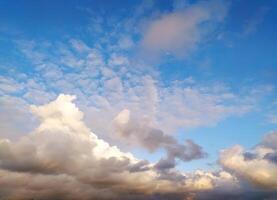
{"points": [[63, 151], [258, 166]]}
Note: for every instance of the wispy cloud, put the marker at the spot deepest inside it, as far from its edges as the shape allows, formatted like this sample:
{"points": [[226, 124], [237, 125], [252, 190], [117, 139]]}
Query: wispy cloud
{"points": [[181, 31], [253, 23]]}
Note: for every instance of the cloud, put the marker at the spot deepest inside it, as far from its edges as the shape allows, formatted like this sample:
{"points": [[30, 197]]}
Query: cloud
{"points": [[105, 85], [253, 23], [13, 111], [113, 79], [259, 167], [63, 148], [8, 85], [121, 100], [272, 118], [140, 131], [125, 43], [270, 140], [79, 46], [63, 151], [180, 31]]}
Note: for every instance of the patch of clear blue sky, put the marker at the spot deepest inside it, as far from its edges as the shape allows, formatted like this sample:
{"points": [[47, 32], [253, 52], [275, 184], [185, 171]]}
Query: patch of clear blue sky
{"points": [[237, 58]]}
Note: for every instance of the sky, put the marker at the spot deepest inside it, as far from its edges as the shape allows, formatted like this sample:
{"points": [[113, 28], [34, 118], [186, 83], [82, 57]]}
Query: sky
{"points": [[172, 99]]}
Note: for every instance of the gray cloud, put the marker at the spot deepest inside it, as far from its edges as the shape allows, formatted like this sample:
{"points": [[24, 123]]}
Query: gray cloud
{"points": [[238, 195], [270, 140], [165, 164], [271, 157], [63, 151], [139, 130]]}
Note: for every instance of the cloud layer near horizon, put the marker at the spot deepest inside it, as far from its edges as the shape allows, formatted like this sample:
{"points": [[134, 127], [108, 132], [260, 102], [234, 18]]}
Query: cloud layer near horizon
{"points": [[63, 151]]}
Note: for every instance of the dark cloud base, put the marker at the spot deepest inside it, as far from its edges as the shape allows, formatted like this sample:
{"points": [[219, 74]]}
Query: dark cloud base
{"points": [[250, 195]]}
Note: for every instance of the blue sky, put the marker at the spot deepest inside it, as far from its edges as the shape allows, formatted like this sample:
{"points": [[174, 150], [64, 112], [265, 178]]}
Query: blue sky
{"points": [[198, 70]]}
